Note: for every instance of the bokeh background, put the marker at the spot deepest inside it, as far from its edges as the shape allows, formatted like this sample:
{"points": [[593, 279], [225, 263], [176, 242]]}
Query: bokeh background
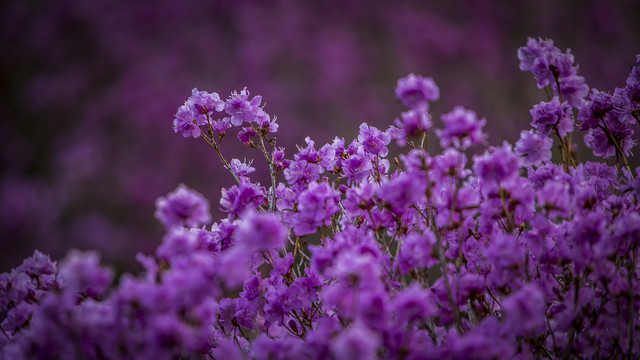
{"points": [[88, 90]]}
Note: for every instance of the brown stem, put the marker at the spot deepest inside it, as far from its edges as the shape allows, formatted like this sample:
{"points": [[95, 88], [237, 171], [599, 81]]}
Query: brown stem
{"points": [[567, 349], [272, 173], [566, 151], [5, 333], [507, 213], [617, 146], [636, 115], [211, 142], [447, 284], [556, 75]]}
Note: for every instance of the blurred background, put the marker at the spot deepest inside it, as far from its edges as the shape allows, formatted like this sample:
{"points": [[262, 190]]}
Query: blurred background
{"points": [[88, 90]]}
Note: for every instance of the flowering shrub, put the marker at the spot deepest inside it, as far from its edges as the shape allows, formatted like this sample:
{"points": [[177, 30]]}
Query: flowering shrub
{"points": [[348, 254]]}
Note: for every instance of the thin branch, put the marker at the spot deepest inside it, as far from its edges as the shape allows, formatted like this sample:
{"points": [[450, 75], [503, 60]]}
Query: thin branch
{"points": [[617, 146]]}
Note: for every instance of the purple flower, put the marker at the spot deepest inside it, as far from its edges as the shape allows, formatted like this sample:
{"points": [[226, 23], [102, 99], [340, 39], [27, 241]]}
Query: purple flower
{"points": [[504, 251], [535, 49], [536, 57], [360, 199], [496, 165], [413, 304], [245, 135], [412, 123], [533, 148], [264, 122], [24, 287], [241, 109], [524, 311], [302, 172], [573, 89], [223, 233], [415, 92], [373, 140], [83, 274], [260, 231], [252, 288], [554, 198], [357, 166], [628, 228], [221, 126], [266, 348], [547, 63], [450, 164], [594, 111], [204, 104], [38, 266], [602, 145], [304, 291], [327, 157], [279, 161], [243, 196], [545, 173], [18, 317], [182, 207], [403, 191], [178, 241], [552, 114], [357, 342], [417, 161], [185, 122], [357, 268], [315, 207], [374, 309], [485, 341], [281, 266], [627, 102], [241, 168], [600, 175], [462, 128], [308, 153], [416, 251]]}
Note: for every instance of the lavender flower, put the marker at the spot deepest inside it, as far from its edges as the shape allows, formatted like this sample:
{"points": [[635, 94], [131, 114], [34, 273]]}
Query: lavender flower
{"points": [[534, 148], [204, 104], [415, 92], [552, 115], [260, 231], [550, 66], [524, 311], [83, 274], [185, 122], [412, 123], [241, 168], [243, 196], [241, 109], [496, 165], [401, 192], [315, 207], [462, 128], [373, 140], [603, 146], [182, 207]]}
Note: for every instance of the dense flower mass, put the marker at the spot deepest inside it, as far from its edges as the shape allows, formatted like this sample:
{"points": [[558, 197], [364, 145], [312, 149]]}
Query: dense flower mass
{"points": [[348, 255], [551, 67]]}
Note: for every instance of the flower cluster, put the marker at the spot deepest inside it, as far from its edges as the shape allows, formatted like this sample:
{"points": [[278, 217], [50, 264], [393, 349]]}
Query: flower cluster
{"points": [[553, 68], [348, 255], [202, 108]]}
